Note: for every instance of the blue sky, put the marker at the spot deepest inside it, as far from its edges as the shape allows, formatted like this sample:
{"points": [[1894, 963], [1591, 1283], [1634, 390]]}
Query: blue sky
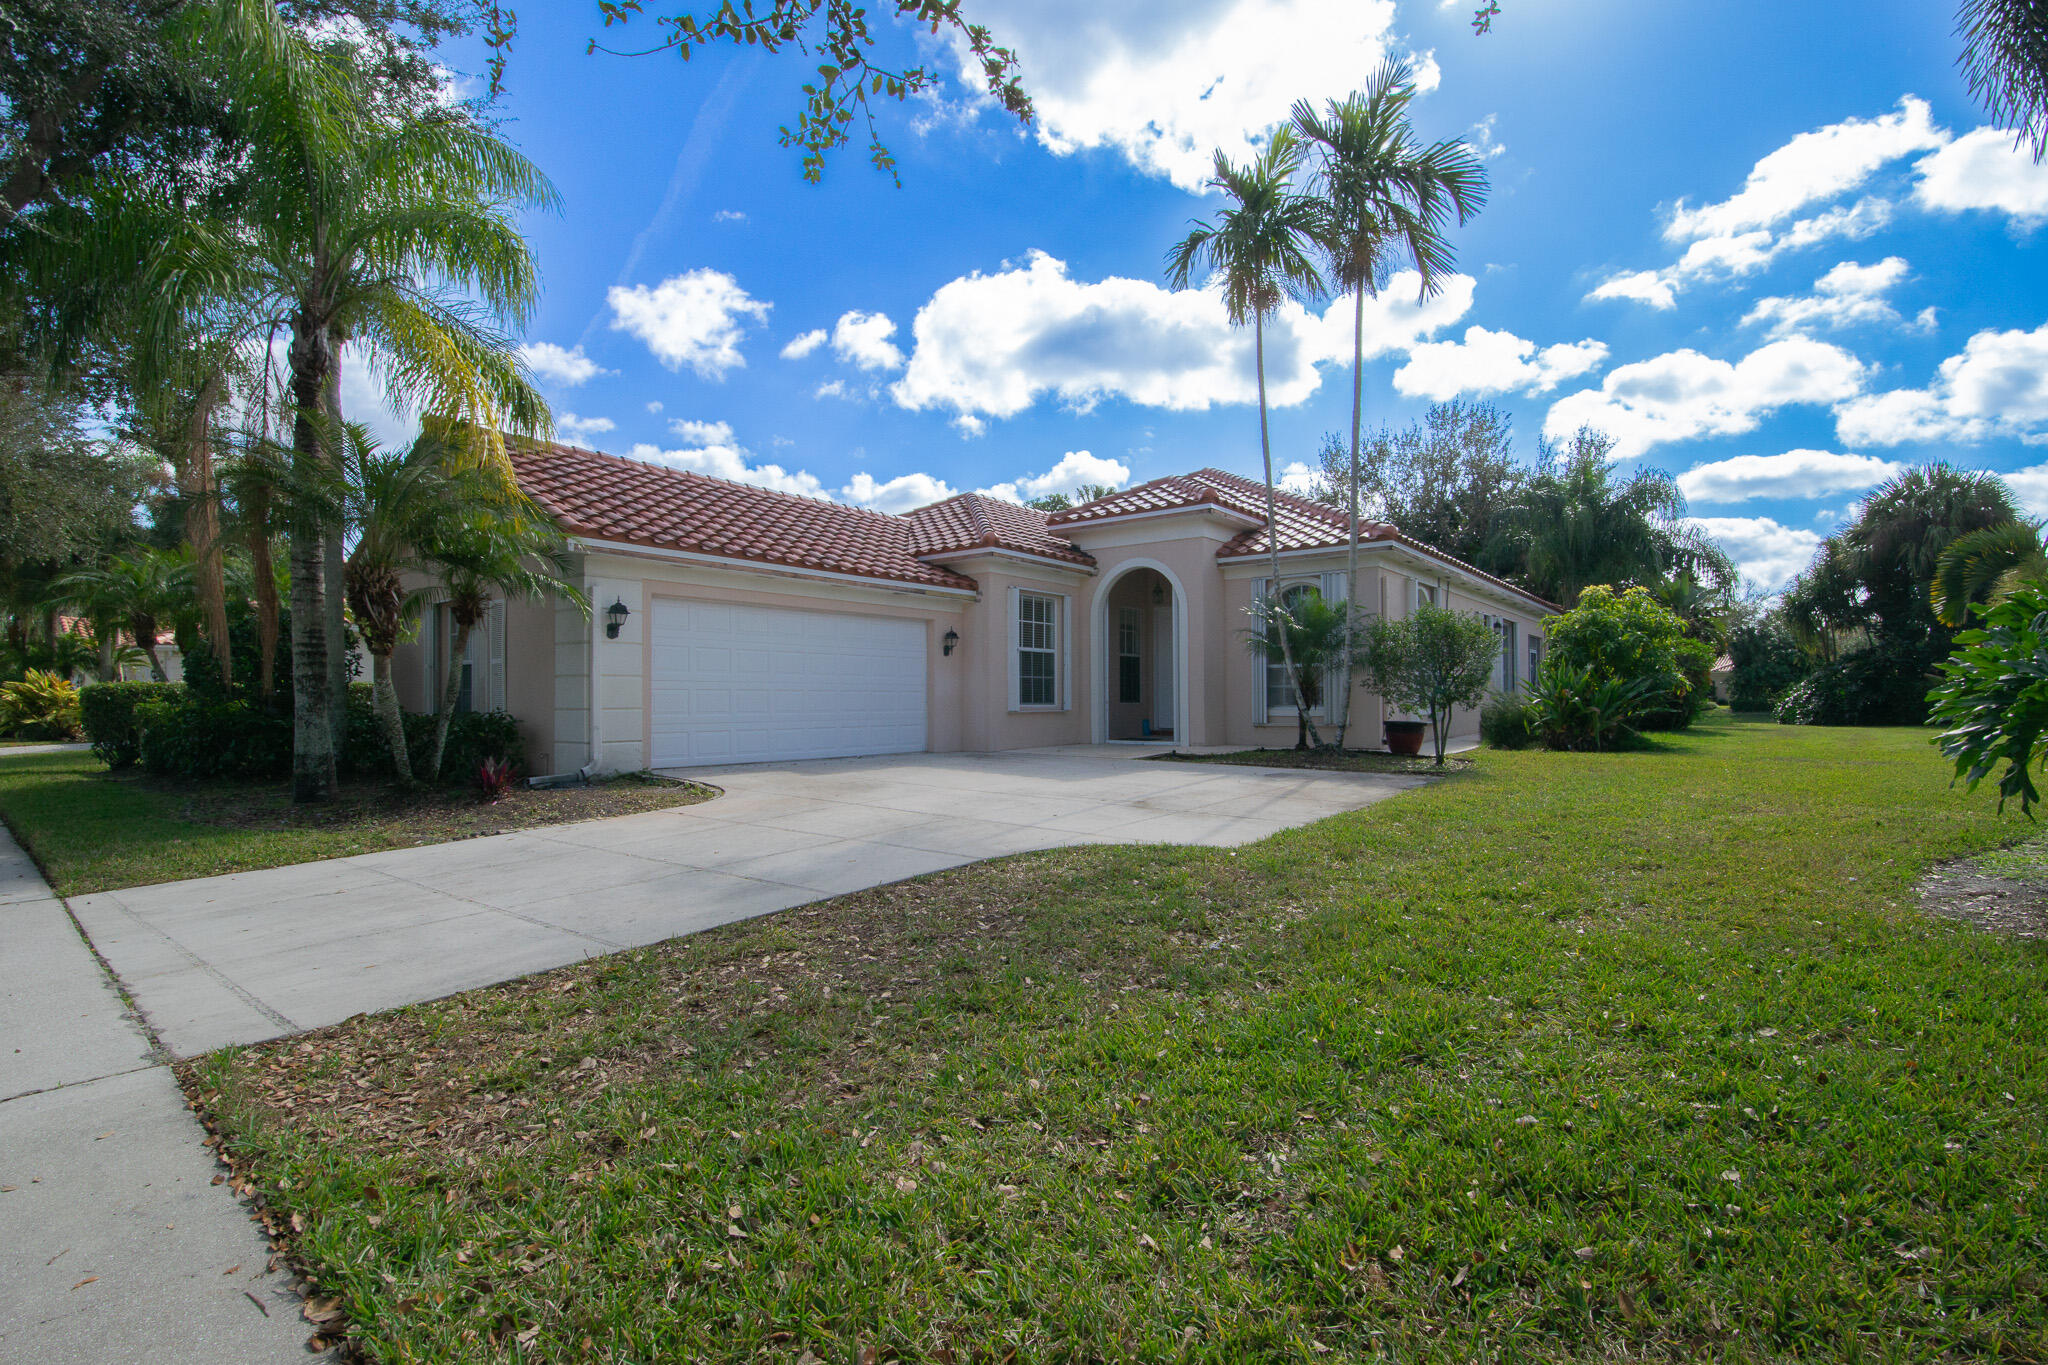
{"points": [[1766, 246]]}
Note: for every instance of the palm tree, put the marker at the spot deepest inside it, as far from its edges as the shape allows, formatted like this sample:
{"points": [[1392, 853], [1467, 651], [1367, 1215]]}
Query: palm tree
{"points": [[1260, 251], [1315, 635], [508, 548], [1986, 567], [394, 233], [2005, 61], [142, 589], [1384, 198], [1579, 525]]}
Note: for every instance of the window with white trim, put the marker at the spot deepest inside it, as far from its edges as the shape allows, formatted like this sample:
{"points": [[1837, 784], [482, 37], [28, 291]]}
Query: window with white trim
{"points": [[1535, 656], [1279, 686], [1507, 655], [1038, 649], [1425, 593]]}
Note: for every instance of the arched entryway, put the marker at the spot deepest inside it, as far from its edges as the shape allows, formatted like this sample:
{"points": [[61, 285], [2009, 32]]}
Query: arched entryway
{"points": [[1141, 684]]}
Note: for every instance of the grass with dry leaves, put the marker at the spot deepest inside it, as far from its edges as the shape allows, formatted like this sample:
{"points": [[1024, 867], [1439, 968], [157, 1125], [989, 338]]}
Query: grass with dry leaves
{"points": [[1581, 1056]]}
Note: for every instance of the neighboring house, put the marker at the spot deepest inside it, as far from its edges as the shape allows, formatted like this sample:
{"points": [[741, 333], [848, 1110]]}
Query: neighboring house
{"points": [[764, 626], [1722, 676]]}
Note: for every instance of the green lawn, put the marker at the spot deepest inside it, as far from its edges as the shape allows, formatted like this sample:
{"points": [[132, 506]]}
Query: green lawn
{"points": [[92, 830], [1575, 1057]]}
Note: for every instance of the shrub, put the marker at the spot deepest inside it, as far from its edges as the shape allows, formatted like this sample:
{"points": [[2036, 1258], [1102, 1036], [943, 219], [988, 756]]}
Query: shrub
{"points": [[1875, 686], [1573, 708], [1635, 638], [190, 737], [1431, 663], [1767, 661], [473, 736], [1993, 700], [107, 714], [1507, 722], [39, 706]]}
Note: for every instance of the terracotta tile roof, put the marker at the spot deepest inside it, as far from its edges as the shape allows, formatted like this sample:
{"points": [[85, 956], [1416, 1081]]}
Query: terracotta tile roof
{"points": [[1160, 495], [969, 521], [613, 498]]}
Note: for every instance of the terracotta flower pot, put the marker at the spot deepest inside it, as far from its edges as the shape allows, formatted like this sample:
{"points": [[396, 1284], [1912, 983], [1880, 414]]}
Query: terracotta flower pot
{"points": [[1405, 736]]}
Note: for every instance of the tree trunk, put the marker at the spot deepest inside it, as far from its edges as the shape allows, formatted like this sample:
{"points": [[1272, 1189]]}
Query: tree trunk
{"points": [[107, 634], [202, 525], [389, 718], [313, 755], [143, 628], [333, 565], [1305, 728], [265, 575], [1351, 561], [458, 645]]}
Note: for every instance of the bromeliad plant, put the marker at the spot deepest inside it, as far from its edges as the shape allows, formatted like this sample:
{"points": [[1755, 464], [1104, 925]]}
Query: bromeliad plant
{"points": [[1993, 699], [1575, 709]]}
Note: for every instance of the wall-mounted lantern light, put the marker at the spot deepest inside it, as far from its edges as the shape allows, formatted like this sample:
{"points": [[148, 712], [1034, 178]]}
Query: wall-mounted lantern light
{"points": [[952, 638], [615, 616]]}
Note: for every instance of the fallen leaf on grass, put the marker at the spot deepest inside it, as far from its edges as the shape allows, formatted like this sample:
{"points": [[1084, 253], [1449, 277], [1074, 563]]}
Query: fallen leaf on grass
{"points": [[86, 1281]]}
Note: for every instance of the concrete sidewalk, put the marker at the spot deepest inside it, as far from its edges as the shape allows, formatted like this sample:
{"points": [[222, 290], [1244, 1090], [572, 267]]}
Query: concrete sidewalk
{"points": [[257, 955], [115, 1245]]}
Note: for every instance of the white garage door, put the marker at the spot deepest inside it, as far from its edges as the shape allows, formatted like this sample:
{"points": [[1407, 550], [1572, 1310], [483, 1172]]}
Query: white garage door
{"points": [[739, 684]]}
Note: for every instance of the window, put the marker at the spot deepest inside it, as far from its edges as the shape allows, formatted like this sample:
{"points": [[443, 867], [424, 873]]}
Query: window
{"points": [[1280, 687], [1425, 593], [1507, 655], [1535, 656], [1130, 680], [1038, 633]]}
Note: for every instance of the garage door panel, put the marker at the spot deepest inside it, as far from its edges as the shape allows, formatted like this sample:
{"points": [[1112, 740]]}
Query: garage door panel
{"points": [[736, 684]]}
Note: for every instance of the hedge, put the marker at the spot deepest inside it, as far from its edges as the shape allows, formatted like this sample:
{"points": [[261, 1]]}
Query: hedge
{"points": [[107, 711]]}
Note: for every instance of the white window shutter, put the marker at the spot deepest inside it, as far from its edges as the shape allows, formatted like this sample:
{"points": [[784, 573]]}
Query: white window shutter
{"points": [[497, 656], [1261, 590], [1010, 665], [1334, 591], [1066, 660]]}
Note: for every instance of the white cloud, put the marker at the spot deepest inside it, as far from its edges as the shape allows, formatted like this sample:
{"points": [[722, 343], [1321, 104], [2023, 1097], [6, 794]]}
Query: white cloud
{"points": [[863, 339], [1162, 84], [654, 405], [1748, 230], [581, 429], [1984, 170], [1794, 474], [1644, 286], [729, 216], [2030, 486], [992, 345], [1302, 480], [1762, 549], [1848, 294], [392, 424], [692, 319], [1812, 168], [702, 433], [1485, 145], [1998, 386], [900, 494], [1493, 362], [1075, 468], [1684, 394], [831, 388], [804, 343], [714, 452], [558, 365]]}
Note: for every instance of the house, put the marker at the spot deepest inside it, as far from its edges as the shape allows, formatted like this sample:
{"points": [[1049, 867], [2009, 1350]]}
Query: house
{"points": [[732, 624], [1722, 678]]}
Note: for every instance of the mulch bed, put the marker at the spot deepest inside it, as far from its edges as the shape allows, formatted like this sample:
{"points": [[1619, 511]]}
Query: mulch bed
{"points": [[437, 814]]}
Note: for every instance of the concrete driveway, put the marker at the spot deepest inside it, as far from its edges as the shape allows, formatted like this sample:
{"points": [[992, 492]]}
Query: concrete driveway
{"points": [[257, 955]]}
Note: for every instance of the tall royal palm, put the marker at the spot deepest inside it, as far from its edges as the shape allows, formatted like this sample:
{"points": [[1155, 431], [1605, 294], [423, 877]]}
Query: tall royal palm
{"points": [[1387, 199], [395, 233], [1260, 251]]}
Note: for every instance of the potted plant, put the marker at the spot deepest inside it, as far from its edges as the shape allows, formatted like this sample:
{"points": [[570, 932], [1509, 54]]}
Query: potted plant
{"points": [[1405, 736]]}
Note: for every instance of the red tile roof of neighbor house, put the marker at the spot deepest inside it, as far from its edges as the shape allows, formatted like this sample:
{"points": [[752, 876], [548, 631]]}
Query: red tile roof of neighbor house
{"points": [[972, 521], [610, 497]]}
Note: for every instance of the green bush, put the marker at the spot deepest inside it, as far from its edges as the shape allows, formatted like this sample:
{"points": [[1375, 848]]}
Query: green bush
{"points": [[1633, 638], [107, 714], [1574, 708], [1875, 686], [1507, 722], [191, 737], [39, 705], [473, 736], [1767, 662], [1993, 697]]}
